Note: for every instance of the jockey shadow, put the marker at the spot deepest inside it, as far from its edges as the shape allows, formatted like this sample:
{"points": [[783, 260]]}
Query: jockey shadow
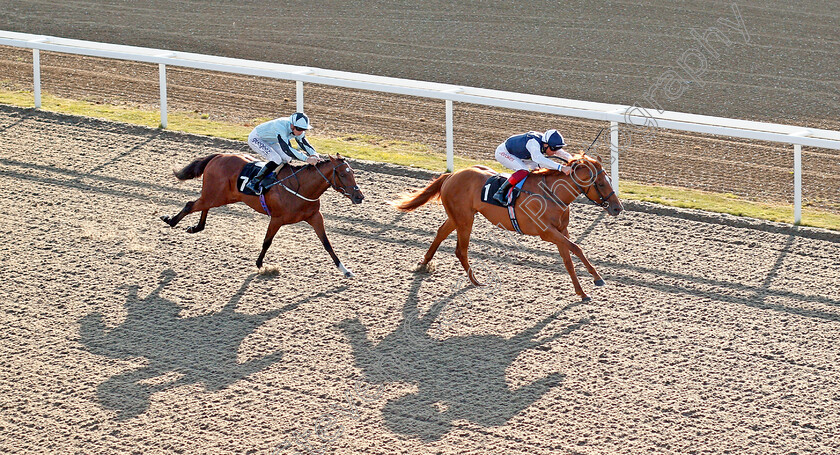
{"points": [[457, 378], [178, 350]]}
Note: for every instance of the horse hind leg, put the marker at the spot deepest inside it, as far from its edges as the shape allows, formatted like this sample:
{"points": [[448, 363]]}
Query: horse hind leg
{"points": [[174, 220], [442, 233], [462, 249], [201, 223], [192, 206]]}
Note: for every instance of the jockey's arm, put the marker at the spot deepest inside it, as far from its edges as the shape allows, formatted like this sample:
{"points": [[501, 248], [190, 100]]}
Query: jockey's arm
{"points": [[533, 147], [306, 146], [289, 150]]}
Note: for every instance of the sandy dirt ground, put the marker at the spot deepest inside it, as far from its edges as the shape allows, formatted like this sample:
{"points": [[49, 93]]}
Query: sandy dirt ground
{"points": [[122, 335]]}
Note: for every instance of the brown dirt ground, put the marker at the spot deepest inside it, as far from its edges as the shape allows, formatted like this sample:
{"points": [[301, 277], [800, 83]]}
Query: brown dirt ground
{"points": [[754, 170], [122, 335]]}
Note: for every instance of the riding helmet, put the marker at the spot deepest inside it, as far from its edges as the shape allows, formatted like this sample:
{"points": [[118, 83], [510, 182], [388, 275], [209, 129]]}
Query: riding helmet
{"points": [[300, 120], [554, 139]]}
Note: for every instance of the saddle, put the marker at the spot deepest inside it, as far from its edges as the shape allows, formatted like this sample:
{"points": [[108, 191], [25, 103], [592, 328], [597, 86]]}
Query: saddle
{"points": [[248, 172]]}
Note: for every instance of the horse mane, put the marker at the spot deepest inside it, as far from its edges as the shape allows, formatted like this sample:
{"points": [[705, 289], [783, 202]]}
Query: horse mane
{"points": [[581, 158]]}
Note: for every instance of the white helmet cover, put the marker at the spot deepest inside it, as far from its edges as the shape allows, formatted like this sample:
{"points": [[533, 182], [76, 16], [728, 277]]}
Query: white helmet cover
{"points": [[300, 120], [553, 138]]}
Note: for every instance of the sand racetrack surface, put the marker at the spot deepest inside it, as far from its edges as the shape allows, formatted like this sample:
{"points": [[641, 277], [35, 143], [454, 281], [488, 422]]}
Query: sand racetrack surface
{"points": [[122, 335]]}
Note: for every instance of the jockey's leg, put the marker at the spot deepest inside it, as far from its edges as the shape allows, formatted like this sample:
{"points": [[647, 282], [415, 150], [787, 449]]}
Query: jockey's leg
{"points": [[272, 154], [511, 162], [255, 183]]}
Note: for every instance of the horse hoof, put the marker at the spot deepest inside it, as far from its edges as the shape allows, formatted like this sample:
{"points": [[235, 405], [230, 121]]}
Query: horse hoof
{"points": [[599, 282], [586, 298], [347, 273], [166, 220]]}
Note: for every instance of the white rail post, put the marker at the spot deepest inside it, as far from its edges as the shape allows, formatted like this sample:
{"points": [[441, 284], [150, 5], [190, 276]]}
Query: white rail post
{"points": [[450, 146], [614, 155], [163, 117], [36, 76], [797, 184], [299, 95]]}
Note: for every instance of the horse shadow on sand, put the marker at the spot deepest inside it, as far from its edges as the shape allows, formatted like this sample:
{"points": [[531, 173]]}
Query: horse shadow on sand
{"points": [[457, 378], [178, 350]]}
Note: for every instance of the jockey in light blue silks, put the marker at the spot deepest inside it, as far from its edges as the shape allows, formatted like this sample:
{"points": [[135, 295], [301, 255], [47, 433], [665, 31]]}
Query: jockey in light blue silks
{"points": [[273, 141], [523, 152]]}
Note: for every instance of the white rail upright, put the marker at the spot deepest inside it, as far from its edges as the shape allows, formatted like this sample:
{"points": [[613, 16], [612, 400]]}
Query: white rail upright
{"points": [[299, 95], [450, 140], [614, 152], [164, 121], [36, 76], [615, 114], [797, 183]]}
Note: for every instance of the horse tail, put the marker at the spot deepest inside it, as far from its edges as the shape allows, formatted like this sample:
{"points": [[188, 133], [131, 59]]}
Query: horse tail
{"points": [[411, 201], [194, 169]]}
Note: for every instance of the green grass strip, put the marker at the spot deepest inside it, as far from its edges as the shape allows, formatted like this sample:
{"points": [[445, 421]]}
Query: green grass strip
{"points": [[373, 148]]}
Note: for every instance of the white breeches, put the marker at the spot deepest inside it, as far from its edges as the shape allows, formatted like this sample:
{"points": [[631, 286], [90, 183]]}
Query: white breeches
{"points": [[271, 153], [511, 162]]}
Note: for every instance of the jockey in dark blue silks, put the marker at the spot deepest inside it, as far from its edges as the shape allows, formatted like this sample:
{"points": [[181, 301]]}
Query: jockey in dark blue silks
{"points": [[273, 141], [523, 152]]}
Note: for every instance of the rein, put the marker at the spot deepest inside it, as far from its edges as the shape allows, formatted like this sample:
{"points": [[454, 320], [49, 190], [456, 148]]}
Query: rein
{"points": [[332, 183], [604, 199]]}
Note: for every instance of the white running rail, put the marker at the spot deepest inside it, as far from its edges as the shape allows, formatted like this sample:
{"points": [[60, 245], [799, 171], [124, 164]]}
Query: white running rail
{"points": [[614, 113]]}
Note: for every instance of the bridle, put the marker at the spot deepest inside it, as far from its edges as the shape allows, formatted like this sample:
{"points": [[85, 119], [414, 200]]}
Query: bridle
{"points": [[341, 189], [604, 199]]}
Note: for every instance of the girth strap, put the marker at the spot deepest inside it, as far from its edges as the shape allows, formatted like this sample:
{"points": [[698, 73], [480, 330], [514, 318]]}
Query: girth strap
{"points": [[263, 204], [513, 219]]}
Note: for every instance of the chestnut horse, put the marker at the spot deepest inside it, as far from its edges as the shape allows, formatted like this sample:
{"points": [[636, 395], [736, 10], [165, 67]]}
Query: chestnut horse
{"points": [[542, 209], [293, 199]]}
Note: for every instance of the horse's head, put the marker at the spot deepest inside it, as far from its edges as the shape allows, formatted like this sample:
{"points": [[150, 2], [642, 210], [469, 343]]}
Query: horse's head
{"points": [[343, 180], [588, 174]]}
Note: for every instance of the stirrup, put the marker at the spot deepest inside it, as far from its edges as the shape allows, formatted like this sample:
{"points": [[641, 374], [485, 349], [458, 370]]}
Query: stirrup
{"points": [[255, 186], [502, 198]]}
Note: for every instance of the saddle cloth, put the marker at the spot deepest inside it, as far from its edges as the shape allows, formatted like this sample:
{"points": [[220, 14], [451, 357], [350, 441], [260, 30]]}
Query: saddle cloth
{"points": [[492, 185], [248, 172]]}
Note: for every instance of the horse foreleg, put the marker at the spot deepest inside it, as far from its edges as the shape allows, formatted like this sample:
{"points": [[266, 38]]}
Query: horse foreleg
{"points": [[442, 233], [317, 223], [201, 223], [273, 226], [563, 245], [578, 251]]}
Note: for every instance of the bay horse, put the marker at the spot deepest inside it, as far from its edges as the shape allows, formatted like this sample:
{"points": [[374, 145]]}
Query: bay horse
{"points": [[284, 204], [542, 209]]}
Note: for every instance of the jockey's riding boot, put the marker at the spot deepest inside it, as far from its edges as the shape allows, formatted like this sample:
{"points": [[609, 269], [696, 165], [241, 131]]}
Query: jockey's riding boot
{"points": [[501, 194], [255, 184]]}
